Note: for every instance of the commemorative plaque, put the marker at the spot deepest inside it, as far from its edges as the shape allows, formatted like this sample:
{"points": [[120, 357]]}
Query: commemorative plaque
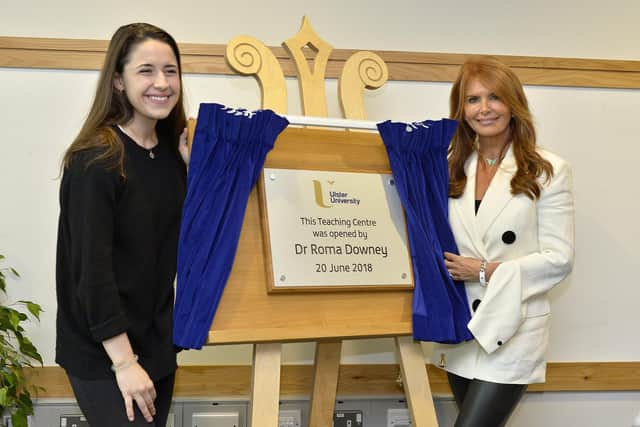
{"points": [[334, 230]]}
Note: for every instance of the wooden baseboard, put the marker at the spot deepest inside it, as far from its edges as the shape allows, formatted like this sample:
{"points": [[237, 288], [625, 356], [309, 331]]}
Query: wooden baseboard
{"points": [[77, 54], [360, 380]]}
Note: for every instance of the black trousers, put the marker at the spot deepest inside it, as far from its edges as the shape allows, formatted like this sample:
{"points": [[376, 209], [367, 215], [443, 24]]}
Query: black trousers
{"points": [[103, 405], [483, 403]]}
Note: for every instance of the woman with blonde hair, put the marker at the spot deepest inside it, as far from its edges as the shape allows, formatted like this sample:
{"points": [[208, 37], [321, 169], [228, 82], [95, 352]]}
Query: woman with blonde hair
{"points": [[121, 196], [511, 212]]}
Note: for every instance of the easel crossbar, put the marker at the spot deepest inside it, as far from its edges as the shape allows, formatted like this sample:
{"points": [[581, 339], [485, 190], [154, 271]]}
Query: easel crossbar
{"points": [[330, 122]]}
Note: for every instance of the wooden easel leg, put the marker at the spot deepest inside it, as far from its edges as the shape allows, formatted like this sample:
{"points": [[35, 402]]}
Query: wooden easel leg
{"points": [[265, 385], [416, 382], [325, 383]]}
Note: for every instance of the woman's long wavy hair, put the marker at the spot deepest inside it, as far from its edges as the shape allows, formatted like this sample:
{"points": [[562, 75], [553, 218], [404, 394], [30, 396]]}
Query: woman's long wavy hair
{"points": [[111, 107], [503, 82]]}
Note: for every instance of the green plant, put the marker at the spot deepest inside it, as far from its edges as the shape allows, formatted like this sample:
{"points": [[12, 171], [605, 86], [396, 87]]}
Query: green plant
{"points": [[16, 353]]}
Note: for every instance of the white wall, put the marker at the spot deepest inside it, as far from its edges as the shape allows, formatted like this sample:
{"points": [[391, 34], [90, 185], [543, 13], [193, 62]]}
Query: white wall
{"points": [[595, 314], [568, 28]]}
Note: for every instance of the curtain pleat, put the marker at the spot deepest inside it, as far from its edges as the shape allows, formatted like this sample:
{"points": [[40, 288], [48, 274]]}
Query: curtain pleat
{"points": [[228, 153], [418, 157]]}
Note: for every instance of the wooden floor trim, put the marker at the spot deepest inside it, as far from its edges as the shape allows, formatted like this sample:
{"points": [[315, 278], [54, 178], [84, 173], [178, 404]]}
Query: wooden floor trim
{"points": [[80, 54], [361, 380]]}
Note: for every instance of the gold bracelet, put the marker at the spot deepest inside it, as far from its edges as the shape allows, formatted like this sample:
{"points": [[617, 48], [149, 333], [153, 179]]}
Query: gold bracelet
{"points": [[125, 364]]}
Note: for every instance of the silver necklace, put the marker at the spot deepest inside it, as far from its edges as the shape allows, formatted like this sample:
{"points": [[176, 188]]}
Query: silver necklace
{"points": [[150, 150], [491, 162]]}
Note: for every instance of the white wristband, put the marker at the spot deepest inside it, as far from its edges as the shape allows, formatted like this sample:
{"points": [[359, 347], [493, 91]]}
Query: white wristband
{"points": [[483, 271]]}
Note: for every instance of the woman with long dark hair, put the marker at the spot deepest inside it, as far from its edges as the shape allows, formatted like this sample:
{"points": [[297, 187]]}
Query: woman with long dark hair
{"points": [[123, 185], [511, 212]]}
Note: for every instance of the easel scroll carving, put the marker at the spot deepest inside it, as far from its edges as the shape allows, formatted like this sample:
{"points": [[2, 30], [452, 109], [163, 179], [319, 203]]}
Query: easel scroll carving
{"points": [[249, 56]]}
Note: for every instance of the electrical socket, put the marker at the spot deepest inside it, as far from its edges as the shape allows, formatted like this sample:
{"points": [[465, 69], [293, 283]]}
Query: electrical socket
{"points": [[216, 419], [347, 418], [398, 417], [73, 421], [290, 418]]}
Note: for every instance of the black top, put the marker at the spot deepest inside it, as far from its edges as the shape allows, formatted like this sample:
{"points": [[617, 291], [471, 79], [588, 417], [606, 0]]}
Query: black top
{"points": [[478, 201], [116, 259]]}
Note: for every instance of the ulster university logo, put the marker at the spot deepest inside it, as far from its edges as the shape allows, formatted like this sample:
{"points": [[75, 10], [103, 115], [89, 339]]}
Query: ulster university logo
{"points": [[317, 189], [335, 197]]}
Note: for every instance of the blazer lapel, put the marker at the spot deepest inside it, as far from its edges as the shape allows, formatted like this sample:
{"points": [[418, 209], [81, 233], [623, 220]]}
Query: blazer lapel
{"points": [[464, 207], [498, 194]]}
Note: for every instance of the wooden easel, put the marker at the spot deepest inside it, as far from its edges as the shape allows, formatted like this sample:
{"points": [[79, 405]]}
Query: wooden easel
{"points": [[247, 312], [265, 381]]}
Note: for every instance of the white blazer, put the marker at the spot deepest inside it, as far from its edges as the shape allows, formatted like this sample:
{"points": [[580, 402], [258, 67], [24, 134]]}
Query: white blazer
{"points": [[533, 240]]}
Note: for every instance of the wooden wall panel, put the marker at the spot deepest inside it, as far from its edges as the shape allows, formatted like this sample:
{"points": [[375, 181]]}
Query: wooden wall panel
{"points": [[360, 380], [50, 53]]}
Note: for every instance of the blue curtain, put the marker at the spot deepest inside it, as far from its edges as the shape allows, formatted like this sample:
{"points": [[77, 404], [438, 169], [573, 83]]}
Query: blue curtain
{"points": [[228, 153], [418, 157]]}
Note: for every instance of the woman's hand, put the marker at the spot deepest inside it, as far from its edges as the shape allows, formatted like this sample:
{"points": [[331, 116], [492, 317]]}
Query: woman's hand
{"points": [[133, 381], [135, 385], [183, 147], [462, 268]]}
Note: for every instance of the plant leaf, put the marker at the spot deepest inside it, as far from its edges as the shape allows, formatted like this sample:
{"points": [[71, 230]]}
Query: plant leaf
{"points": [[34, 309], [9, 378], [19, 419], [5, 324], [25, 403], [17, 352], [14, 319], [3, 396], [28, 349]]}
